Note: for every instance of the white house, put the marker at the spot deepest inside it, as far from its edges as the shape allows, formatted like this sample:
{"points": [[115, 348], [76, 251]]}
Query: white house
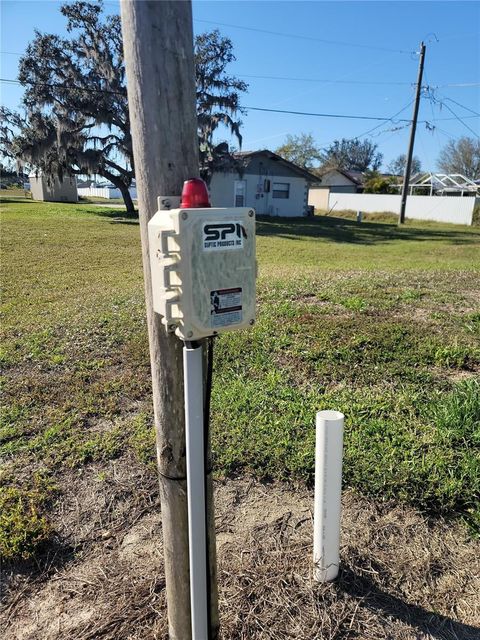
{"points": [[268, 183], [53, 190], [334, 181]]}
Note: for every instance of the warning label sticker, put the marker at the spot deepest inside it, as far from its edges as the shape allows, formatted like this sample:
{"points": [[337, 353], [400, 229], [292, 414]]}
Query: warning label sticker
{"points": [[226, 307]]}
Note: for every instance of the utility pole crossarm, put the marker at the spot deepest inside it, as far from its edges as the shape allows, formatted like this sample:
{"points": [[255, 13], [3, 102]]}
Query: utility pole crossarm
{"points": [[408, 166]]}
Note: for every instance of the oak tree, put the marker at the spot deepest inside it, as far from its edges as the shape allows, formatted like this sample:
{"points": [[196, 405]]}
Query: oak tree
{"points": [[76, 109]]}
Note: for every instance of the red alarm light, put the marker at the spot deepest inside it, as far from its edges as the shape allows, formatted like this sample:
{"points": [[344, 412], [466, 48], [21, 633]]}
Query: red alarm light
{"points": [[194, 195]]}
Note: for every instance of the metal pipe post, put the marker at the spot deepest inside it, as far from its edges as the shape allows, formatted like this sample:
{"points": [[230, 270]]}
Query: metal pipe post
{"points": [[197, 534]]}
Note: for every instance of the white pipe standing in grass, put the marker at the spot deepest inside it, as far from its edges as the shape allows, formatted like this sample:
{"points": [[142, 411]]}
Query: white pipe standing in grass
{"points": [[197, 535], [328, 490]]}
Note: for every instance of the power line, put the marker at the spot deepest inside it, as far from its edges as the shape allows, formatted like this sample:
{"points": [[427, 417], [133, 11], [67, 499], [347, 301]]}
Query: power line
{"points": [[391, 120], [265, 109], [431, 93], [434, 128], [359, 82], [427, 89], [461, 120], [372, 82], [319, 115], [266, 77], [375, 82], [54, 85], [462, 36], [424, 150], [445, 133], [395, 131], [462, 106], [459, 84], [336, 115], [302, 37], [442, 102], [323, 115]]}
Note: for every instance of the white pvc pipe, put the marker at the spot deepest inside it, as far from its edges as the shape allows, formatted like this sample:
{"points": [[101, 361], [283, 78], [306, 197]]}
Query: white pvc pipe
{"points": [[328, 489], [197, 535]]}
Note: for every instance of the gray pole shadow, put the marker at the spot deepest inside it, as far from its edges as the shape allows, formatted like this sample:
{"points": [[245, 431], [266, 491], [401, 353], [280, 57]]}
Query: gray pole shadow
{"points": [[430, 623]]}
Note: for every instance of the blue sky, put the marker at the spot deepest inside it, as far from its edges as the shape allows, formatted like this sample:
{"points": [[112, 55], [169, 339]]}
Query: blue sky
{"points": [[322, 77]]}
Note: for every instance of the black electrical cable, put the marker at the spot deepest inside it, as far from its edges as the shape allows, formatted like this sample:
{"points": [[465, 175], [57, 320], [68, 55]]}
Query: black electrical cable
{"points": [[461, 120], [192, 344], [240, 107], [462, 106], [206, 439], [208, 394], [305, 37]]}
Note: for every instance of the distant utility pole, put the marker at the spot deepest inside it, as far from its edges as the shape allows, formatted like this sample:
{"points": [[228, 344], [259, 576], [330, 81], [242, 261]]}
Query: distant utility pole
{"points": [[158, 49], [406, 178]]}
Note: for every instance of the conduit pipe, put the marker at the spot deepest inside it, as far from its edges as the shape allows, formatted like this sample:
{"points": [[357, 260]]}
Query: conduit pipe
{"points": [[328, 489], [197, 534]]}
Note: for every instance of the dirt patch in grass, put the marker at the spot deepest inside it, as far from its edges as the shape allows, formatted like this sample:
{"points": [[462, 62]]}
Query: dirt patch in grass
{"points": [[402, 577]]}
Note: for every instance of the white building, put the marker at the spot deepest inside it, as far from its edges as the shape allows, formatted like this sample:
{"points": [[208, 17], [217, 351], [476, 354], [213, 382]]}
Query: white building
{"points": [[268, 183], [53, 189], [334, 181]]}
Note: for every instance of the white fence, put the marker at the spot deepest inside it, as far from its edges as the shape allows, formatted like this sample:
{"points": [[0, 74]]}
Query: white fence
{"points": [[105, 192], [438, 208]]}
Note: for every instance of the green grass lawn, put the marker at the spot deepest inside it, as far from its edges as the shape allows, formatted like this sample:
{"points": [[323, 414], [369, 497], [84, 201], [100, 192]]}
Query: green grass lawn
{"points": [[378, 322], [99, 200]]}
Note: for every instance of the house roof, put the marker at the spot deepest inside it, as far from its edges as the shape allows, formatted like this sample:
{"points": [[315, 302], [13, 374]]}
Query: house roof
{"points": [[310, 177], [38, 173], [357, 177]]}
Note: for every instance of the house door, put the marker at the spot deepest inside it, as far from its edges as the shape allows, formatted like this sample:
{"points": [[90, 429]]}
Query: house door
{"points": [[262, 195], [239, 193]]}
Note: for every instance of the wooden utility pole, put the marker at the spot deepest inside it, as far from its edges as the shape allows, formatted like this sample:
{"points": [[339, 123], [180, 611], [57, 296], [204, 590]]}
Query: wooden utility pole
{"points": [[408, 166], [158, 49]]}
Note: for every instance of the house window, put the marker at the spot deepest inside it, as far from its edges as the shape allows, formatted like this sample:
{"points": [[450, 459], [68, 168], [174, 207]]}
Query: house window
{"points": [[281, 190]]}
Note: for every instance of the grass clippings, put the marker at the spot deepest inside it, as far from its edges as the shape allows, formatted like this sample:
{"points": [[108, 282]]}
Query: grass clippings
{"points": [[402, 577]]}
